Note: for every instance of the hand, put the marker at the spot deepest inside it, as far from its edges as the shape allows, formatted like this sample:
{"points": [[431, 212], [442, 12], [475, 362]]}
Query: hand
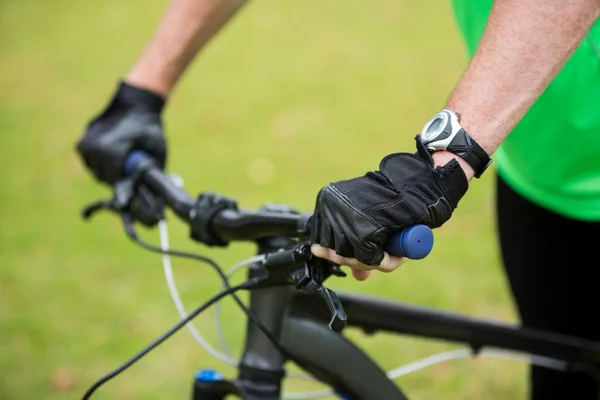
{"points": [[360, 271], [131, 121], [354, 218]]}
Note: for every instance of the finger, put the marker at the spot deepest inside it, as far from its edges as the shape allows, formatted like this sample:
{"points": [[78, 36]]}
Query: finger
{"points": [[360, 275], [319, 251], [331, 255], [344, 247], [326, 253], [390, 263], [336, 258], [349, 262]]}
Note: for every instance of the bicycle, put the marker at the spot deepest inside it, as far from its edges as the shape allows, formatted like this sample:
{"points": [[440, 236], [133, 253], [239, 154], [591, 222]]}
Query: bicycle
{"points": [[286, 321]]}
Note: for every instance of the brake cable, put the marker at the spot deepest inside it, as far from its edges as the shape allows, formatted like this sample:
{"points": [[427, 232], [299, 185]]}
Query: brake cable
{"points": [[130, 230], [246, 285], [412, 367], [249, 284], [131, 233], [226, 357]]}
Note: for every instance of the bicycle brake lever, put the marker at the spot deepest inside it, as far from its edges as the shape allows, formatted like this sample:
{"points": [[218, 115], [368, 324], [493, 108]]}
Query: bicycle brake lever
{"points": [[316, 269], [92, 208], [313, 284], [339, 318], [122, 195], [299, 267]]}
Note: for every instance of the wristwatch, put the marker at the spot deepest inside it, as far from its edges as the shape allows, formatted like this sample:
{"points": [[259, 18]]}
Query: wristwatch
{"points": [[444, 132]]}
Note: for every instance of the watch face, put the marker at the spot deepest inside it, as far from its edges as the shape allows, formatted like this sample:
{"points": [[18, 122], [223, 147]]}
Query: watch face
{"points": [[434, 128]]}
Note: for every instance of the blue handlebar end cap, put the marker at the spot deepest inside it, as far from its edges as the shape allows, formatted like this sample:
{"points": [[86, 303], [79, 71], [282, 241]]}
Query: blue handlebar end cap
{"points": [[414, 242], [208, 375], [342, 396], [134, 159]]}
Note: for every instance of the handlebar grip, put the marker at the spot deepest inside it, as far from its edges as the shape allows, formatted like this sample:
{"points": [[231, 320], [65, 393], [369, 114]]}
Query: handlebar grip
{"points": [[134, 159], [414, 242]]}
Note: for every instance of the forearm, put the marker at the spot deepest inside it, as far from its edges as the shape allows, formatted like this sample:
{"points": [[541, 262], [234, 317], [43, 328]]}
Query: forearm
{"points": [[184, 29], [524, 46]]}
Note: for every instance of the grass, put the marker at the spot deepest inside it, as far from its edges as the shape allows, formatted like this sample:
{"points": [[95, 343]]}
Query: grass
{"points": [[289, 96]]}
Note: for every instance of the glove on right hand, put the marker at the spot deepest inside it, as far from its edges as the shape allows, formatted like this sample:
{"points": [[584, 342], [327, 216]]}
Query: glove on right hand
{"points": [[356, 217]]}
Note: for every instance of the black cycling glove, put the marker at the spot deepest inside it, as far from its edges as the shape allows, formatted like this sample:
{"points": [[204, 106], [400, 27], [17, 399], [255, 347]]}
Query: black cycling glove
{"points": [[131, 121], [356, 217]]}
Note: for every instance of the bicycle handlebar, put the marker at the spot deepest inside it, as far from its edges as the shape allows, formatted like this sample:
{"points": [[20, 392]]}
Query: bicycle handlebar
{"points": [[414, 242]]}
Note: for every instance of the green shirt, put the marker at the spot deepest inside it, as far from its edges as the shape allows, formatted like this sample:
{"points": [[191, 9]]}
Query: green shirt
{"points": [[552, 157]]}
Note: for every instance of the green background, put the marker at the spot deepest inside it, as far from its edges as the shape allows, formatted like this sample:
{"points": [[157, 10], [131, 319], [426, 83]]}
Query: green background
{"points": [[289, 96]]}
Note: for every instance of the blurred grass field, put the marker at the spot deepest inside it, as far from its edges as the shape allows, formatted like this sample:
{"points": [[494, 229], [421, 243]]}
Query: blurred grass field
{"points": [[289, 96]]}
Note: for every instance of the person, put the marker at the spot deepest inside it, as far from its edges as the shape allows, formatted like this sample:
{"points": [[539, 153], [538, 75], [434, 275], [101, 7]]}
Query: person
{"points": [[532, 74]]}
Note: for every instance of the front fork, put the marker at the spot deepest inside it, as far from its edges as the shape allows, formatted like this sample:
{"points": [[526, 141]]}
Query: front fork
{"points": [[261, 368]]}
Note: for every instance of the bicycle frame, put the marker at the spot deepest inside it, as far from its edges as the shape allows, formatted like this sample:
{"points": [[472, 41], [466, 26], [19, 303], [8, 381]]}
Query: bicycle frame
{"points": [[325, 354], [299, 321]]}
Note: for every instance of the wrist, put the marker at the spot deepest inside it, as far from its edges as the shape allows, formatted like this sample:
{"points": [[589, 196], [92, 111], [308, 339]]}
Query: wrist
{"points": [[151, 80], [444, 137], [443, 157]]}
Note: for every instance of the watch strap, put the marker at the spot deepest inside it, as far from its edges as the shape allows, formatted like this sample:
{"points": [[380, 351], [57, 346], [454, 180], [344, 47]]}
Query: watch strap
{"points": [[464, 146]]}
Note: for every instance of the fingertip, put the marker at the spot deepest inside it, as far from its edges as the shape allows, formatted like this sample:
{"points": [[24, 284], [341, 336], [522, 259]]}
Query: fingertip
{"points": [[397, 261], [360, 275]]}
